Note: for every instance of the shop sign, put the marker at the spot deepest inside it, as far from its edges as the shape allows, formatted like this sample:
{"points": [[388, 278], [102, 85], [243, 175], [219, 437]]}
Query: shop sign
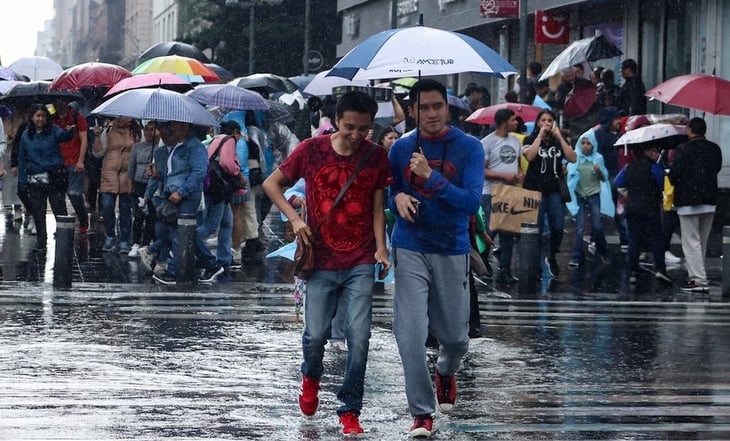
{"points": [[499, 8]]}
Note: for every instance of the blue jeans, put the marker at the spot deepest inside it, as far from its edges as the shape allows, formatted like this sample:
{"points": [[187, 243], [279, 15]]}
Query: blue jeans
{"points": [[506, 240], [552, 216], [325, 289], [75, 192], [217, 216], [591, 204], [108, 200]]}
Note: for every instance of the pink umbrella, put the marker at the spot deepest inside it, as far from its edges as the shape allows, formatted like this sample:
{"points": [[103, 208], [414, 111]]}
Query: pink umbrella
{"points": [[706, 93], [485, 115], [156, 79]]}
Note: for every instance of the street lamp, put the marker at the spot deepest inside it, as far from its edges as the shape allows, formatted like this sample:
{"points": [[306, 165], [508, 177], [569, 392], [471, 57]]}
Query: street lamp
{"points": [[251, 19]]}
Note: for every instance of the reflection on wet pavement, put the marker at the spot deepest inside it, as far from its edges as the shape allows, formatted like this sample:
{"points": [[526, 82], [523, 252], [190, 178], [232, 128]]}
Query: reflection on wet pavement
{"points": [[117, 357]]}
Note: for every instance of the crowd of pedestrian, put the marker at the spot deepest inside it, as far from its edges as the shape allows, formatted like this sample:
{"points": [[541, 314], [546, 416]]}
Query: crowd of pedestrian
{"points": [[404, 197]]}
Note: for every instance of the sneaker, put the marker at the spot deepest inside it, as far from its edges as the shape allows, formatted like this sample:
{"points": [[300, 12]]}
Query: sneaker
{"points": [[574, 263], [165, 278], [663, 276], [671, 259], [134, 251], [338, 345], [211, 274], [32, 229], [692, 286], [592, 248], [145, 258], [445, 392], [422, 426], [624, 248], [644, 256], [108, 244], [350, 424], [160, 268], [124, 248], [308, 400]]}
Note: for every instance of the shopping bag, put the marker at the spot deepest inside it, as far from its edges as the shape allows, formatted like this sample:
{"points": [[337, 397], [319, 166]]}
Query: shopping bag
{"points": [[512, 206]]}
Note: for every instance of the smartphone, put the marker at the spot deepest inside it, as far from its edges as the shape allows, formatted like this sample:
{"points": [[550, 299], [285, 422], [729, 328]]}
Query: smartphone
{"points": [[416, 210], [380, 270]]}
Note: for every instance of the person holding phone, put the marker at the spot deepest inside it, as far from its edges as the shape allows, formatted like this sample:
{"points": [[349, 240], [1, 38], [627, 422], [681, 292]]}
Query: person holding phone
{"points": [[545, 149], [438, 173]]}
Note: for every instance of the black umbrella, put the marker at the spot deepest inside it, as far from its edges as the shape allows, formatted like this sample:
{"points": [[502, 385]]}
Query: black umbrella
{"points": [[36, 92], [173, 48], [224, 74], [278, 112], [266, 82]]}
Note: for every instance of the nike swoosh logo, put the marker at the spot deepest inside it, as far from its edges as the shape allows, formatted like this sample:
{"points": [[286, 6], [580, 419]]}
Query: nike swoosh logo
{"points": [[513, 211]]}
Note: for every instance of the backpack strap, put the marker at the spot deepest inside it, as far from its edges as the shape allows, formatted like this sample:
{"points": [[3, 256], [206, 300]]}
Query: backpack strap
{"points": [[217, 151]]}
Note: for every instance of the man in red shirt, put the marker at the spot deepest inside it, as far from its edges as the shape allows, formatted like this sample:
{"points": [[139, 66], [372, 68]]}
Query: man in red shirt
{"points": [[347, 239], [73, 153]]}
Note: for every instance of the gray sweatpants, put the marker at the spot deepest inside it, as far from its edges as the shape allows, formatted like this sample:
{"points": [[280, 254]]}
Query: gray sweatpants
{"points": [[431, 296]]}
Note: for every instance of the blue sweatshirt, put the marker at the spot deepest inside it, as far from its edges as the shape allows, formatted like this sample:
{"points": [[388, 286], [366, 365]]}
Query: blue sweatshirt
{"points": [[450, 195]]}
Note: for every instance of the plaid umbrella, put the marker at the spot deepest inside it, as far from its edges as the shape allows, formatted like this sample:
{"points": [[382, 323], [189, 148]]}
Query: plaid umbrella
{"points": [[156, 104], [228, 96]]}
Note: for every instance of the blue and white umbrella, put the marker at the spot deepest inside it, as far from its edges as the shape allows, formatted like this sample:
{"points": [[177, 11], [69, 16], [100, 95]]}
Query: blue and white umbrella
{"points": [[417, 51], [156, 104], [228, 96]]}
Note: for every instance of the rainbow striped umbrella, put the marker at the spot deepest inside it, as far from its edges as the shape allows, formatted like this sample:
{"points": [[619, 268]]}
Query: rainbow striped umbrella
{"points": [[189, 69]]}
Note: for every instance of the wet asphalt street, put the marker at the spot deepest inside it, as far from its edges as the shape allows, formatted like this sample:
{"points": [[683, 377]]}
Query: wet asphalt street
{"points": [[116, 357]]}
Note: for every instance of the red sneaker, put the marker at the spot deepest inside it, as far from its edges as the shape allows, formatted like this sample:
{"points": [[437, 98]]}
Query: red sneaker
{"points": [[350, 424], [445, 392], [308, 400], [422, 426]]}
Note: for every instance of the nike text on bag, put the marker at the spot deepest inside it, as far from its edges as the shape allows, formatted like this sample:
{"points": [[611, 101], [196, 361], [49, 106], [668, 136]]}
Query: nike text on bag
{"points": [[512, 206]]}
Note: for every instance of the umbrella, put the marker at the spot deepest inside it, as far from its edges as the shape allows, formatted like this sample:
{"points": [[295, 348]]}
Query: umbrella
{"points": [[278, 112], [156, 104], [588, 49], [302, 80], [36, 68], [35, 92], [656, 135], [269, 82], [158, 79], [417, 51], [636, 121], [224, 74], [229, 97], [89, 75], [322, 85], [6, 85], [7, 74], [706, 93], [173, 48], [485, 115], [579, 101], [457, 102], [189, 69]]}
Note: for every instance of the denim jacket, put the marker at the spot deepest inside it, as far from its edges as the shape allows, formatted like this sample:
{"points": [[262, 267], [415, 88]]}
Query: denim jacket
{"points": [[189, 166]]}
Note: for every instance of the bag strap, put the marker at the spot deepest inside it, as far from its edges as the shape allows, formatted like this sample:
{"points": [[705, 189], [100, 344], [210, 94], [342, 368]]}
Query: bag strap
{"points": [[350, 180], [220, 144]]}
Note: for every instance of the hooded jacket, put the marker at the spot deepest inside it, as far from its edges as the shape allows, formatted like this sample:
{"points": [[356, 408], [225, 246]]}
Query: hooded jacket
{"points": [[448, 197], [605, 139], [607, 206]]}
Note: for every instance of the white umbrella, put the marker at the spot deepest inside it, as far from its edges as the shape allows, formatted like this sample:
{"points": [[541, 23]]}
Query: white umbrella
{"points": [[156, 104], [417, 51], [37, 68], [579, 52], [322, 85], [668, 134]]}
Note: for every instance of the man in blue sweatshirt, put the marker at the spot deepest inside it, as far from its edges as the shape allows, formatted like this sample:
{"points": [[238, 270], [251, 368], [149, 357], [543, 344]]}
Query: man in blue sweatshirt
{"points": [[438, 173]]}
